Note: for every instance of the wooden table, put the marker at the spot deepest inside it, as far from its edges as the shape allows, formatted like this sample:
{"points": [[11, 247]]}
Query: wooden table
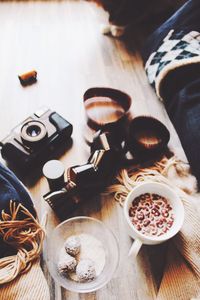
{"points": [[62, 41]]}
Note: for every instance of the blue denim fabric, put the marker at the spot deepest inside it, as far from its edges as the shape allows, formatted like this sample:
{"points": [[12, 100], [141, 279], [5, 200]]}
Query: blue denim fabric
{"points": [[181, 87], [11, 189], [187, 18]]}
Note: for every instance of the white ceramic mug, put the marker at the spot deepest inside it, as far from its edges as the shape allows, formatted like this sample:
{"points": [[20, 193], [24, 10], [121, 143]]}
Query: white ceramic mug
{"points": [[174, 201]]}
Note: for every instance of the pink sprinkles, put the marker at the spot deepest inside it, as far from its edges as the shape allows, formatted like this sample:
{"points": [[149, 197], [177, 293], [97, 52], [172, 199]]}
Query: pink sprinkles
{"points": [[151, 214]]}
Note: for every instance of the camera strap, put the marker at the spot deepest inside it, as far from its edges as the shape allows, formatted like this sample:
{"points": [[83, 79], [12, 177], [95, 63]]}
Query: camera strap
{"points": [[114, 134], [106, 109]]}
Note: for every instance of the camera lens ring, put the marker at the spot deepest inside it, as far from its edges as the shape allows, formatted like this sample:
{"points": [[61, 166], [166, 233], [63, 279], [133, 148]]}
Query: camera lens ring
{"points": [[33, 133]]}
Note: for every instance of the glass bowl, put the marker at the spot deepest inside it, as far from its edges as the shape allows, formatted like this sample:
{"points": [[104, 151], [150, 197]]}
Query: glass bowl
{"points": [[77, 226]]}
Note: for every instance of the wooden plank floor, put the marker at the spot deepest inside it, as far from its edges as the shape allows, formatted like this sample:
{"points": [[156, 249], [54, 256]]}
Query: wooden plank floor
{"points": [[62, 41]]}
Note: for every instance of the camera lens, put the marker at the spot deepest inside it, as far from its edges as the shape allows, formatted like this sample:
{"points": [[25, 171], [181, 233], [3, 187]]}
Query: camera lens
{"points": [[33, 133], [33, 130]]}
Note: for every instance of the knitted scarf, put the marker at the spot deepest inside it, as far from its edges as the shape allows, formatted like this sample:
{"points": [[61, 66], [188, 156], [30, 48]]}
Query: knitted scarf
{"points": [[181, 275]]}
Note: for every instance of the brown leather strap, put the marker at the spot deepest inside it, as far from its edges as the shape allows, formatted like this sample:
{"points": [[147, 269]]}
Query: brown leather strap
{"points": [[106, 108], [147, 137]]}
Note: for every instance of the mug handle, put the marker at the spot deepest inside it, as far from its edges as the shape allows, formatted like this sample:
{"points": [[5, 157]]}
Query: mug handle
{"points": [[135, 248]]}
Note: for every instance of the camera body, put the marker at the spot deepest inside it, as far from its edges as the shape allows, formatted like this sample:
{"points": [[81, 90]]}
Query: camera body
{"points": [[85, 181], [33, 140]]}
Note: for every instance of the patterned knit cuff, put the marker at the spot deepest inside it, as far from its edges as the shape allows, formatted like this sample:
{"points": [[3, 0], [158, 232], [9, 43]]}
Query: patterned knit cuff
{"points": [[177, 50]]}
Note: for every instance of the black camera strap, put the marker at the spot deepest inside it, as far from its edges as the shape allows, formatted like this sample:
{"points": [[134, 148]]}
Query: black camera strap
{"points": [[144, 137], [106, 108]]}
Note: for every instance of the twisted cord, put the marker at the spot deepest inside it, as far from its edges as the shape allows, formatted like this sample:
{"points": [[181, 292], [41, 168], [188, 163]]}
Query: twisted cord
{"points": [[25, 235]]}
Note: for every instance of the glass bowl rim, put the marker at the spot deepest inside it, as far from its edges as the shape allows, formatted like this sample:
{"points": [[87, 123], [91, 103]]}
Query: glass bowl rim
{"points": [[87, 290]]}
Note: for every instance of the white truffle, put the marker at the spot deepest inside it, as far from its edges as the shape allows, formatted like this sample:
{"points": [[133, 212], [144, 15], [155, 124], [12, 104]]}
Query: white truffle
{"points": [[85, 270], [66, 263], [73, 245]]}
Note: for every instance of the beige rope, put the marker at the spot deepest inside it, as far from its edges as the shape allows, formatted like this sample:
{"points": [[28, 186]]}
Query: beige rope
{"points": [[25, 235], [129, 178]]}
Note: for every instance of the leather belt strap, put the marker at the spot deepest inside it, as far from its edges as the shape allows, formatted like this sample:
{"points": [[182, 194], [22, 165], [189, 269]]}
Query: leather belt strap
{"points": [[106, 108]]}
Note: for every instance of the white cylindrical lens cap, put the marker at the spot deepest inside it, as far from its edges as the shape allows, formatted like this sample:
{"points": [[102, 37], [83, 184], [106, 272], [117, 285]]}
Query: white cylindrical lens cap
{"points": [[54, 170]]}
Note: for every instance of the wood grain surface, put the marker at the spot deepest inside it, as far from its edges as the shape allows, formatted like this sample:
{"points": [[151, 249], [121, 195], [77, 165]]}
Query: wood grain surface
{"points": [[62, 41]]}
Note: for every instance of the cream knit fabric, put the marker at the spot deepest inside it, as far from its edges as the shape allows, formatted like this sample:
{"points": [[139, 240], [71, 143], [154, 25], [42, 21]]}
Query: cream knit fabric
{"points": [[31, 285], [181, 277]]}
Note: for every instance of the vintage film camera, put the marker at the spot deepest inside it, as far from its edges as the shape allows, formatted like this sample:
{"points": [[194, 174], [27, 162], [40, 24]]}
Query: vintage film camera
{"points": [[32, 141]]}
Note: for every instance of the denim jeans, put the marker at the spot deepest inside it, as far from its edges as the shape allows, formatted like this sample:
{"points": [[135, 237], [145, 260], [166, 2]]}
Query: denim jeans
{"points": [[12, 189], [181, 87]]}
